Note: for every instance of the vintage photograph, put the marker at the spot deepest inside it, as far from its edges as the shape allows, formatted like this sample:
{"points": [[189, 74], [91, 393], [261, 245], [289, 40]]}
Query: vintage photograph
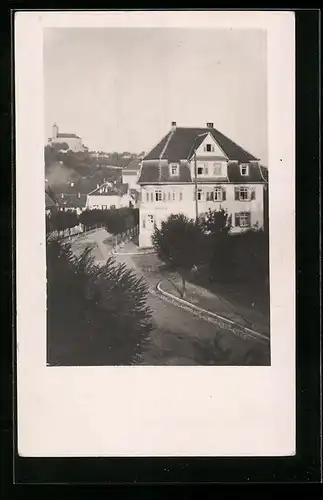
{"points": [[156, 196]]}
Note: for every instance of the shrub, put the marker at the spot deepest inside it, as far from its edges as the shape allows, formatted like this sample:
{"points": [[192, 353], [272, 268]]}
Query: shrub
{"points": [[179, 244], [95, 315]]}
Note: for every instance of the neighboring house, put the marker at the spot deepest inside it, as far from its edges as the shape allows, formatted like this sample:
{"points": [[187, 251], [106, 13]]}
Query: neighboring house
{"points": [[130, 174], [50, 205], [73, 202], [227, 176], [73, 141], [110, 195]]}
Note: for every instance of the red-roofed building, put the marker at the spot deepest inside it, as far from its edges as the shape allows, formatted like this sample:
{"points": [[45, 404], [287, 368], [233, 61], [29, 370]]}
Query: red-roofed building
{"points": [[202, 164]]}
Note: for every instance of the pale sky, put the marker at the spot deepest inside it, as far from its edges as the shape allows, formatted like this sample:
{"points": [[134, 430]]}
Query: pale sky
{"points": [[120, 88]]}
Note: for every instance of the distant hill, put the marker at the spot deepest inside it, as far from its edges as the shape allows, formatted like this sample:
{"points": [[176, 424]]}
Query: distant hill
{"points": [[69, 172]]}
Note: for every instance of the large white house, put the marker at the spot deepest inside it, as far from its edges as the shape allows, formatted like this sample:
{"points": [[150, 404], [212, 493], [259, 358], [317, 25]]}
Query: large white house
{"points": [[193, 169]]}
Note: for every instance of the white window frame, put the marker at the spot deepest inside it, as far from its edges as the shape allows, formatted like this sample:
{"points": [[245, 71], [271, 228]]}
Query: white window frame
{"points": [[219, 195], [245, 216], [201, 166], [217, 166], [200, 194], [174, 166], [246, 190], [158, 195], [245, 167], [210, 194], [211, 148]]}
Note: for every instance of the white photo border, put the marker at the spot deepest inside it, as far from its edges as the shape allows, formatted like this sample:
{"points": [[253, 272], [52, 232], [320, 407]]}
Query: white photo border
{"points": [[154, 411]]}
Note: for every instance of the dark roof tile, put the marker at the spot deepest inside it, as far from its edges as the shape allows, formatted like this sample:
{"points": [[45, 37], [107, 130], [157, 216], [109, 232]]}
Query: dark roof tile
{"points": [[72, 200], [182, 140], [155, 173], [236, 177], [49, 203], [133, 165], [70, 136]]}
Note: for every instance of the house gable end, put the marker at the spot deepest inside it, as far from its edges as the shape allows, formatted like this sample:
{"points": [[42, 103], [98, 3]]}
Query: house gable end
{"points": [[216, 150]]}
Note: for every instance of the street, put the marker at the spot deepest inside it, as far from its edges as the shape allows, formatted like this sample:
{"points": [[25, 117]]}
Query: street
{"points": [[179, 337]]}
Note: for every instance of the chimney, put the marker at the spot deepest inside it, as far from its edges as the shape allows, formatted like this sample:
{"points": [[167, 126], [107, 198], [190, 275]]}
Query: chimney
{"points": [[55, 131], [210, 125], [173, 125]]}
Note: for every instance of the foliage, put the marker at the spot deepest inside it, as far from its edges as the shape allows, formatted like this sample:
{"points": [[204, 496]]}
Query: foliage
{"points": [[178, 243], [97, 315], [226, 350], [60, 220], [242, 257], [117, 221], [92, 218], [216, 221]]}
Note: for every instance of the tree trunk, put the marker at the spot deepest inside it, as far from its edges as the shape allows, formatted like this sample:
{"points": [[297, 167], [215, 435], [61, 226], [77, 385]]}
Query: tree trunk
{"points": [[183, 293]]}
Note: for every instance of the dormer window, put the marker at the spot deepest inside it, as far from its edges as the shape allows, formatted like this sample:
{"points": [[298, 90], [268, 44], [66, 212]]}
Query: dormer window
{"points": [[174, 168], [244, 169]]}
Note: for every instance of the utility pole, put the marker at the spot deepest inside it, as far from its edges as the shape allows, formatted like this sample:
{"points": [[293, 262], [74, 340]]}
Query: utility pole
{"points": [[195, 181]]}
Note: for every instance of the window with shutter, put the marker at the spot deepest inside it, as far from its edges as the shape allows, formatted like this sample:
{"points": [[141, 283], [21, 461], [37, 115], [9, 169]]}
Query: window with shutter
{"points": [[242, 193], [236, 193], [164, 196], [224, 194], [168, 196], [180, 196], [243, 219], [218, 194], [152, 196], [253, 194], [147, 196]]}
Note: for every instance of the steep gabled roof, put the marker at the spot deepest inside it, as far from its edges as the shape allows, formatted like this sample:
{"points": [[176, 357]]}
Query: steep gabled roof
{"points": [[182, 142], [117, 189], [134, 164], [72, 200], [49, 203]]}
